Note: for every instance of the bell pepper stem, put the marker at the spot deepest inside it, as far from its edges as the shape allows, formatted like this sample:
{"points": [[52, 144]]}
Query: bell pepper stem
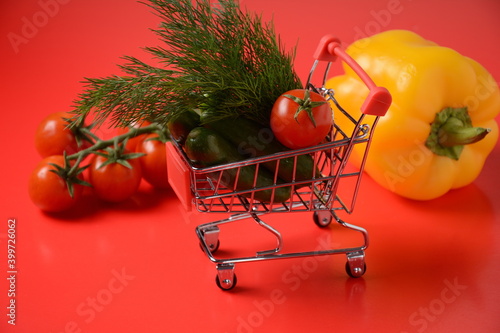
{"points": [[454, 133], [451, 130]]}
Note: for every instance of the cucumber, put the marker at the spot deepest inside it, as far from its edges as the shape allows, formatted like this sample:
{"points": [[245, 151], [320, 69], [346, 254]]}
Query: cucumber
{"points": [[253, 140], [206, 148], [180, 125]]}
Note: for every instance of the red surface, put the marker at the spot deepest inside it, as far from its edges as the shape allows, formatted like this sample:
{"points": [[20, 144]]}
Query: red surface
{"points": [[136, 267]]}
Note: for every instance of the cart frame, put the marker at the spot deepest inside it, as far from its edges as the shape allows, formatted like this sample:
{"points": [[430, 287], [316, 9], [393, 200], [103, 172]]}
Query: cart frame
{"points": [[202, 187]]}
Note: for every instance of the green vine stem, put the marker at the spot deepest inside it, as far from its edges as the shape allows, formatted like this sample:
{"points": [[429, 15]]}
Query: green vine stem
{"points": [[103, 144]]}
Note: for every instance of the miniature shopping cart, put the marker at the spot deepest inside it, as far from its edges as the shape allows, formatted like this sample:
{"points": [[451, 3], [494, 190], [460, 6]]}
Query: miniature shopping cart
{"points": [[321, 195]]}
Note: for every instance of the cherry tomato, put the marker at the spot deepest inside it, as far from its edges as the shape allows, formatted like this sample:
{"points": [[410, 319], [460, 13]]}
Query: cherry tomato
{"points": [[52, 137], [154, 163], [134, 142], [114, 182], [49, 191], [294, 128]]}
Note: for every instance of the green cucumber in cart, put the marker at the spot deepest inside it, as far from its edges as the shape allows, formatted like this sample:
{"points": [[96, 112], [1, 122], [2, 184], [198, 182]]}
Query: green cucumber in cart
{"points": [[206, 148]]}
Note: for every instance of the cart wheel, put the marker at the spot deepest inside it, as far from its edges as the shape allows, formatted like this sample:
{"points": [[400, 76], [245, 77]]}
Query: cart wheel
{"points": [[226, 284], [355, 272], [322, 218], [212, 247]]}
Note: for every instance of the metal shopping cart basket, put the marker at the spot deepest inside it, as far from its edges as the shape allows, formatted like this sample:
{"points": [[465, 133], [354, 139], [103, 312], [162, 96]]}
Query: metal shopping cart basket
{"points": [[201, 188]]}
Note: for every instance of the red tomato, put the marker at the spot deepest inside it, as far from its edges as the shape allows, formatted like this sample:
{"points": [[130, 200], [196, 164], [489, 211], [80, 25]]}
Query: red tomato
{"points": [[114, 182], [134, 142], [297, 130], [154, 163], [52, 137], [49, 191]]}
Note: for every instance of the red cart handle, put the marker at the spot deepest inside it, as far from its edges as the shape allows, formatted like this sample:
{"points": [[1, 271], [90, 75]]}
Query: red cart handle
{"points": [[379, 99]]}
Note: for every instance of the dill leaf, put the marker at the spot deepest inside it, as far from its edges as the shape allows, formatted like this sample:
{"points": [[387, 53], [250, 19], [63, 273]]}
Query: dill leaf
{"points": [[215, 57]]}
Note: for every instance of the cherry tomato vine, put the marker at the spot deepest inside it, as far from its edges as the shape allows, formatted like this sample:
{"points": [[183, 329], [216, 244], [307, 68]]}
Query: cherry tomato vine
{"points": [[114, 170]]}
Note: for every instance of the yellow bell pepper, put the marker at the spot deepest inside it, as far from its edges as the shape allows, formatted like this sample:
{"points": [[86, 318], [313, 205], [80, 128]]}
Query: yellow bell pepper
{"points": [[440, 127]]}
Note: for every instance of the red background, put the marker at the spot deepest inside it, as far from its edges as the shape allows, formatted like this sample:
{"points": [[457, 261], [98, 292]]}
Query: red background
{"points": [[432, 266]]}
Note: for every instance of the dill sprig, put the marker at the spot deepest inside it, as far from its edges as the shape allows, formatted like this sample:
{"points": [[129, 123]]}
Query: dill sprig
{"points": [[213, 57]]}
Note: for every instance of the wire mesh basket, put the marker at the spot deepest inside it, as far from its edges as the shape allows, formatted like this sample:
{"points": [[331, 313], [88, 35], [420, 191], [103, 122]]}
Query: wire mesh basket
{"points": [[331, 187]]}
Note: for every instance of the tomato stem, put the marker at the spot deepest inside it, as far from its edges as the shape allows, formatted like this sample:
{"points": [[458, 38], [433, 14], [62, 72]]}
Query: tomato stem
{"points": [[306, 104], [81, 132], [70, 173], [102, 144]]}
